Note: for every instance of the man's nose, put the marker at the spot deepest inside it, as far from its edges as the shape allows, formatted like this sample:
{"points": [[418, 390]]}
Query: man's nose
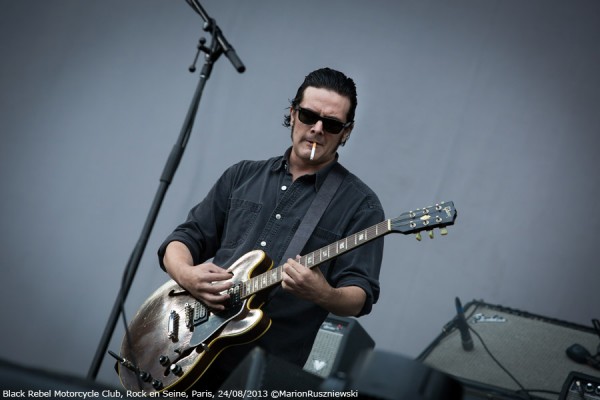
{"points": [[318, 127]]}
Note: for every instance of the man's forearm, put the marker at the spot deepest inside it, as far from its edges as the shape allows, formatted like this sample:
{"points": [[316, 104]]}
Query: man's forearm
{"points": [[176, 255], [345, 301]]}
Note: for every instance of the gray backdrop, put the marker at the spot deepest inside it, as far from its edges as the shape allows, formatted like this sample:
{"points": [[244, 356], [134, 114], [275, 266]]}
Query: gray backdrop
{"points": [[492, 104]]}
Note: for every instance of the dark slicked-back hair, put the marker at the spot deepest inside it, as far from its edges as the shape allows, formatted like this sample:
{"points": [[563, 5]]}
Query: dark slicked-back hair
{"points": [[330, 79]]}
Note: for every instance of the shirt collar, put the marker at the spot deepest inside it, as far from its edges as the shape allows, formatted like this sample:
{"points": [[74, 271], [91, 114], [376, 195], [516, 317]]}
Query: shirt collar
{"points": [[319, 176]]}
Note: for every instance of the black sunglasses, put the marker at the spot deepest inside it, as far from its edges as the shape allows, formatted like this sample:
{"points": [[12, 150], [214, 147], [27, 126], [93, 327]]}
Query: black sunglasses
{"points": [[330, 125]]}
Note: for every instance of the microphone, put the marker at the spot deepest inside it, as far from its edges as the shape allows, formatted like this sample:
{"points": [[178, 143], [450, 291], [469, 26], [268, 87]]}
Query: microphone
{"points": [[581, 355], [463, 327], [211, 25]]}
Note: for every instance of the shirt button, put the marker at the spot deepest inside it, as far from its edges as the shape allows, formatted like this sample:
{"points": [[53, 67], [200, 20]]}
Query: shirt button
{"points": [[263, 243], [284, 187], [278, 216]]}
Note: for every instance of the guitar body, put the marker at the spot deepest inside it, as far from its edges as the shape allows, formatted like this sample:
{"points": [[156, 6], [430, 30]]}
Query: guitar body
{"points": [[173, 338]]}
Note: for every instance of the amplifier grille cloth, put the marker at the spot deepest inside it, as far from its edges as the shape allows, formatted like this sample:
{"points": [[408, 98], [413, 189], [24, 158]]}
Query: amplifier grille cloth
{"points": [[532, 349]]}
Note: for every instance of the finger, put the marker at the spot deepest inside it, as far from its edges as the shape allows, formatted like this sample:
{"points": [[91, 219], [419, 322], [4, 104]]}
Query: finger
{"points": [[295, 262], [219, 274], [214, 269], [216, 298], [214, 301], [300, 272], [289, 269], [216, 287], [287, 283], [214, 306]]}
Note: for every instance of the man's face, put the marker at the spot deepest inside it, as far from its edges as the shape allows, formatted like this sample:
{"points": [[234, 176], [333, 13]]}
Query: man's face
{"points": [[325, 103]]}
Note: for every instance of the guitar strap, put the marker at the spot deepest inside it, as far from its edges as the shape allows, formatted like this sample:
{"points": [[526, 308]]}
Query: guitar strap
{"points": [[315, 211], [313, 215]]}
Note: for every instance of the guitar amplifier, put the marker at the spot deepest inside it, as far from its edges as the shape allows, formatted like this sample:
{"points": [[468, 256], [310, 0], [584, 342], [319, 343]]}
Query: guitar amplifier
{"points": [[514, 351], [338, 343], [580, 386]]}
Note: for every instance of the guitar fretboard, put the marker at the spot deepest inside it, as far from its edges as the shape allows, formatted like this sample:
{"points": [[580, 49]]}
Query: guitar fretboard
{"points": [[317, 257]]}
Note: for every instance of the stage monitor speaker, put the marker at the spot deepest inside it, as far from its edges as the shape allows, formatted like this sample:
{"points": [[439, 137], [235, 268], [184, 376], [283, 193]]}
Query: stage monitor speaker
{"points": [[388, 376], [530, 347], [23, 381], [260, 371], [338, 343]]}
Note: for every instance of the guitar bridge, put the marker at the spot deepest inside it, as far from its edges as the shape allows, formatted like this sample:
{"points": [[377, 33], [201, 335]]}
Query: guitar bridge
{"points": [[188, 310]]}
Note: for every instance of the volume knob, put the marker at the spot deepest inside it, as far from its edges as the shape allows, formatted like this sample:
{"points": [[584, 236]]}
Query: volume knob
{"points": [[176, 369], [144, 376], [164, 360], [156, 384]]}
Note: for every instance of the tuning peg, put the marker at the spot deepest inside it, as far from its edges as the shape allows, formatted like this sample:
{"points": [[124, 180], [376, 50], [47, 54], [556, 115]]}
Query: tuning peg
{"points": [[418, 236], [430, 233], [443, 231]]}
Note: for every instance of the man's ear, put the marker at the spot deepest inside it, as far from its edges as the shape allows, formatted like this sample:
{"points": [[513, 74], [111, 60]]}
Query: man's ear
{"points": [[346, 135], [292, 116]]}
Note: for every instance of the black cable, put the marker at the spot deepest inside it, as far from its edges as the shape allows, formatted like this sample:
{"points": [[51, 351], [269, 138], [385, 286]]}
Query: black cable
{"points": [[129, 342], [511, 376]]}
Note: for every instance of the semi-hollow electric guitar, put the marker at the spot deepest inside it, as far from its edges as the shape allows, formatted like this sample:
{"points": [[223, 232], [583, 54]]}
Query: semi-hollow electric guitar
{"points": [[173, 339]]}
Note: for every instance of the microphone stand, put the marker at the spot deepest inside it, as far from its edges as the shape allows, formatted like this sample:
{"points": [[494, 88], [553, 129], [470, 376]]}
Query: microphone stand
{"points": [[219, 46]]}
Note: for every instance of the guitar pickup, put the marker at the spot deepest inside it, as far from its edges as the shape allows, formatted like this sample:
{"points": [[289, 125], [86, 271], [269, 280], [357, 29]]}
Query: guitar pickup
{"points": [[173, 325], [200, 314]]}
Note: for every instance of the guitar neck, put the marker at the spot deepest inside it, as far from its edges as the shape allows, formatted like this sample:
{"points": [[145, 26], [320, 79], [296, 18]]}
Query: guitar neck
{"points": [[274, 276]]}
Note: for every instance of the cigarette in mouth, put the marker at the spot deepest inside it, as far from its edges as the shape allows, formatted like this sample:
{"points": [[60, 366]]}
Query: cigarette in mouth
{"points": [[312, 152]]}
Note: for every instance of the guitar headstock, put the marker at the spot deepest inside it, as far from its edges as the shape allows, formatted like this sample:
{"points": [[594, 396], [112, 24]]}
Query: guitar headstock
{"points": [[426, 219]]}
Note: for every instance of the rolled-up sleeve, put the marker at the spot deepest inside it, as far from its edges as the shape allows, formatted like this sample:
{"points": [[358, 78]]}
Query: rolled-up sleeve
{"points": [[361, 267], [201, 232]]}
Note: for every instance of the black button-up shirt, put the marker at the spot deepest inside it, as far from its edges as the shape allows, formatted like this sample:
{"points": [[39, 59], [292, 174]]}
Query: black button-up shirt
{"points": [[256, 205]]}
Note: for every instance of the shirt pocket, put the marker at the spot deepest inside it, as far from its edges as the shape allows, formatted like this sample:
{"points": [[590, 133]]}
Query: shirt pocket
{"points": [[323, 237], [241, 217]]}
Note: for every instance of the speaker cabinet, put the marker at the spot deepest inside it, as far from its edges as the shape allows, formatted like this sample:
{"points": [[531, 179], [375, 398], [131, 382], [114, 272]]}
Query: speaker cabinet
{"points": [[339, 341], [260, 371], [510, 346]]}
